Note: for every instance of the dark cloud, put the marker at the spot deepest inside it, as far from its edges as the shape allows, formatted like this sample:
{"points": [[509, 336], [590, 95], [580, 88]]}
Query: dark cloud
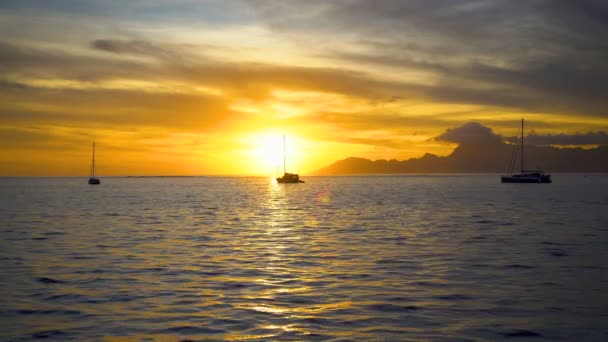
{"points": [[470, 133], [243, 79], [476, 133], [543, 55], [138, 47], [170, 53], [564, 88], [370, 121], [8, 85], [561, 87], [48, 63], [590, 138]]}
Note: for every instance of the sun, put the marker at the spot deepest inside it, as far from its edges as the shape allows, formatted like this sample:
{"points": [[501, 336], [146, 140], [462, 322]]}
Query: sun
{"points": [[265, 150]]}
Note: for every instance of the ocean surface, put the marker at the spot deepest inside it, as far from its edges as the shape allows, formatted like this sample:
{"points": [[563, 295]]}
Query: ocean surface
{"points": [[387, 258]]}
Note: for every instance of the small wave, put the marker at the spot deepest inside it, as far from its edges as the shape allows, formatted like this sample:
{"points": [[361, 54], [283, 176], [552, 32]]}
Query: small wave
{"points": [[48, 334], [591, 267], [521, 333], [549, 283], [551, 243], [554, 223], [155, 269], [352, 276], [429, 284], [302, 300], [455, 296], [47, 312], [556, 252], [305, 263], [384, 307], [62, 296], [398, 299], [47, 280], [521, 266], [317, 321], [81, 257], [234, 285], [393, 238], [54, 233], [189, 329], [94, 271]]}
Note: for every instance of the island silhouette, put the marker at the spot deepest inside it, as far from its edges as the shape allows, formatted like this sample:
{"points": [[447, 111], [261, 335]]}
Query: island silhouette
{"points": [[480, 150]]}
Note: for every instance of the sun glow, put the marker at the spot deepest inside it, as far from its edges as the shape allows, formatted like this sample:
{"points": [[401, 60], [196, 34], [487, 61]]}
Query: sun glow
{"points": [[266, 152]]}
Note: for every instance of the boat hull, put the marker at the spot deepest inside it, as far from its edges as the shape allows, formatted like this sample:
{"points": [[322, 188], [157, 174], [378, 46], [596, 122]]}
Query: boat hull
{"points": [[289, 178], [526, 179], [94, 181], [282, 181]]}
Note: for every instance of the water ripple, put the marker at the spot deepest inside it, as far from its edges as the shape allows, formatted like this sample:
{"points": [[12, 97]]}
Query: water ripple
{"points": [[338, 258]]}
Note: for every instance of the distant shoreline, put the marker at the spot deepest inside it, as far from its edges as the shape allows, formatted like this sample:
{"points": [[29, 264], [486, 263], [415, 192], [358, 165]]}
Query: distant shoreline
{"points": [[427, 174]]}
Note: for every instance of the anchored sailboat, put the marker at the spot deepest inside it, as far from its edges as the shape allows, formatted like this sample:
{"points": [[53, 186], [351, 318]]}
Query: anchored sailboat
{"points": [[537, 176], [288, 177], [92, 179]]}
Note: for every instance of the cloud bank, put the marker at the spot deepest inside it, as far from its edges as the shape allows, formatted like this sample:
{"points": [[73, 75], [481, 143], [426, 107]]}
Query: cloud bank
{"points": [[477, 134]]}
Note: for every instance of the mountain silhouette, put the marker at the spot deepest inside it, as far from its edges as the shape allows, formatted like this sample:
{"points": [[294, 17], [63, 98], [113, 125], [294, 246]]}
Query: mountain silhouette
{"points": [[479, 151]]}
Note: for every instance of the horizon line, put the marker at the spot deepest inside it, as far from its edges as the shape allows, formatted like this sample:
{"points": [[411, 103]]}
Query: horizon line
{"points": [[315, 175]]}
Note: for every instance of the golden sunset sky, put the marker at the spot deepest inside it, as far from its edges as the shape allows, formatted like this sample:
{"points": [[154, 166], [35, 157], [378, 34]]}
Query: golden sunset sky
{"points": [[210, 87]]}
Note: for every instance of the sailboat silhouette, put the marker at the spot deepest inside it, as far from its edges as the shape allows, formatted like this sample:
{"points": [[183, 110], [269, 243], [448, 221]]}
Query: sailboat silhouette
{"points": [[537, 176], [92, 179], [288, 177]]}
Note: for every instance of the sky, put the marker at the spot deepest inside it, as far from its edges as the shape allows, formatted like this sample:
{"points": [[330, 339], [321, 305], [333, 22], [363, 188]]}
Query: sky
{"points": [[184, 87]]}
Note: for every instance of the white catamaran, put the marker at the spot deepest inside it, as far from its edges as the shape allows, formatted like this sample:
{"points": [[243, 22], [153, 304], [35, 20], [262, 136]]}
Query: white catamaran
{"points": [[537, 176], [288, 177]]}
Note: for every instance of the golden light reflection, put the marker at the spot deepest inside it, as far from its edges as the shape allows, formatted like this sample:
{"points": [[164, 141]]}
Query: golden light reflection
{"points": [[275, 310], [248, 337], [287, 328]]}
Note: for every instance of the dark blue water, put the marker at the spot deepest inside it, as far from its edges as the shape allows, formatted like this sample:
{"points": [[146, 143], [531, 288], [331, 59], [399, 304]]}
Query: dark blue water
{"points": [[338, 258]]}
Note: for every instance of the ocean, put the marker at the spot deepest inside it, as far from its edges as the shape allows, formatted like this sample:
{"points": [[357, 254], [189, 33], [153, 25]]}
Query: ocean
{"points": [[374, 258]]}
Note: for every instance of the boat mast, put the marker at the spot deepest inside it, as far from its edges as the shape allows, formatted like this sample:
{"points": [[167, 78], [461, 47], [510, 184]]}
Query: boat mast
{"points": [[93, 162], [522, 146], [284, 156]]}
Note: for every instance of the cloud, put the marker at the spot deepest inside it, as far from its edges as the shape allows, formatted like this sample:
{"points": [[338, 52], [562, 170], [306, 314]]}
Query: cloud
{"points": [[470, 133], [589, 138], [541, 55], [558, 88], [476, 133], [170, 53], [48, 63], [116, 108], [126, 46]]}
